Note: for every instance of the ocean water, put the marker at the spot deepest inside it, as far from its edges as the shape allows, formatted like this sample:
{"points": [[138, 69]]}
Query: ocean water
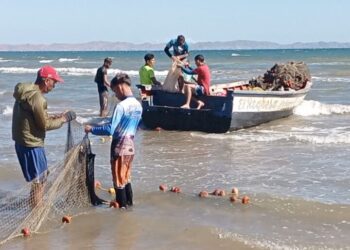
{"points": [[295, 170]]}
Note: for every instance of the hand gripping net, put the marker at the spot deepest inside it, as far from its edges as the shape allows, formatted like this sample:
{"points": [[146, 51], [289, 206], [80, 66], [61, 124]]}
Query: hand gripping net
{"points": [[68, 189]]}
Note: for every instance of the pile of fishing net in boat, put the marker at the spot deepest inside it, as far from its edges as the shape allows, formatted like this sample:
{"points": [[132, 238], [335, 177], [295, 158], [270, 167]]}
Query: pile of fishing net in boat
{"points": [[292, 75], [69, 188], [171, 81]]}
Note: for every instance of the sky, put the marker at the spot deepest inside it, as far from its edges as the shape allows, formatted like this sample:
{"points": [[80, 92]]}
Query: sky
{"points": [[158, 21]]}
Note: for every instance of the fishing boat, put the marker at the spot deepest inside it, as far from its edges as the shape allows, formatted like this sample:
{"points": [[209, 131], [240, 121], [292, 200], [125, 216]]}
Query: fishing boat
{"points": [[230, 107], [254, 107]]}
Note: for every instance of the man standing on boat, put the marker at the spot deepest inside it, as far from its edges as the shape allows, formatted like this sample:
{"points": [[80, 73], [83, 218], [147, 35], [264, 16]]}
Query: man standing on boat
{"points": [[180, 48], [30, 122], [102, 84], [203, 82], [180, 53]]}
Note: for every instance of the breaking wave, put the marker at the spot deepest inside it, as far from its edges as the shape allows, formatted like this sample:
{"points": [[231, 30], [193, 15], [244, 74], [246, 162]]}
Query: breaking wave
{"points": [[45, 61], [313, 136], [314, 108], [7, 110], [330, 63], [4, 60], [74, 71], [330, 79], [68, 59]]}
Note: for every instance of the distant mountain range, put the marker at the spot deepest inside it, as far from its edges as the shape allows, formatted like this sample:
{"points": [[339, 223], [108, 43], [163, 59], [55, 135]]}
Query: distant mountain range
{"points": [[125, 46]]}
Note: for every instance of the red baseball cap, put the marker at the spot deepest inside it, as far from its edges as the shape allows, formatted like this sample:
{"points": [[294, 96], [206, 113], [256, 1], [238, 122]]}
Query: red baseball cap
{"points": [[48, 71]]}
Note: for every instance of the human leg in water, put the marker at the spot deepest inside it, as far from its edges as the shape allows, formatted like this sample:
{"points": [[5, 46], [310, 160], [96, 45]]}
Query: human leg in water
{"points": [[103, 96], [120, 196], [129, 194]]}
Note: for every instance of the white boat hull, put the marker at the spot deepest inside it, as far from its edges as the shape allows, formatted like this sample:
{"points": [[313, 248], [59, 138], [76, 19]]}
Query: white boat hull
{"points": [[251, 108]]}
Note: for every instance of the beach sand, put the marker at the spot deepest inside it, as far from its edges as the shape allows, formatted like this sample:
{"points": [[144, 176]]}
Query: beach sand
{"points": [[137, 228]]}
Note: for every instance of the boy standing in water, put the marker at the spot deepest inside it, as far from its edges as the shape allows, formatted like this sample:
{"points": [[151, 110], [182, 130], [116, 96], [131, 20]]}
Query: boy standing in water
{"points": [[102, 84], [122, 126]]}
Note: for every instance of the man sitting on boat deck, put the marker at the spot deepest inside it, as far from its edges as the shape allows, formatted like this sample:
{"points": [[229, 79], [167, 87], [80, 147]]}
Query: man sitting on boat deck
{"points": [[146, 72], [203, 82]]}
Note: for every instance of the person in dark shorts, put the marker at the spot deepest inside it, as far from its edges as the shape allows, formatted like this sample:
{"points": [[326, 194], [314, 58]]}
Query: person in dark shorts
{"points": [[30, 121], [122, 126], [102, 84], [203, 82]]}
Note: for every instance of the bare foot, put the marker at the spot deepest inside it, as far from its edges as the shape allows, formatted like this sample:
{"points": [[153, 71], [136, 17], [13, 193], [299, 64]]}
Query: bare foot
{"points": [[200, 104], [185, 106]]}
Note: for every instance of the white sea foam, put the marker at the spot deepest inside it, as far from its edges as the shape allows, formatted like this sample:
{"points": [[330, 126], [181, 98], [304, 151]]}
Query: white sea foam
{"points": [[314, 108], [91, 119], [68, 59], [330, 63], [7, 110], [330, 79], [303, 129], [314, 136], [2, 92], [235, 54], [4, 60], [16, 70], [75, 71], [82, 120], [342, 138], [45, 61]]}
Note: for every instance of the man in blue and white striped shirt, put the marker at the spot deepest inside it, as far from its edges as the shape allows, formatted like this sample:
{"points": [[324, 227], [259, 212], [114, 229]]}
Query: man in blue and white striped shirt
{"points": [[122, 126]]}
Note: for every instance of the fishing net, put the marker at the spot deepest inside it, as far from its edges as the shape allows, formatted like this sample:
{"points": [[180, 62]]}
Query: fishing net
{"points": [[68, 189], [171, 81], [292, 75]]}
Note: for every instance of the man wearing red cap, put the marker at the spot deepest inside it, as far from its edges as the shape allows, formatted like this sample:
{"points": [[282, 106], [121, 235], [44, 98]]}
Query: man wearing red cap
{"points": [[30, 122]]}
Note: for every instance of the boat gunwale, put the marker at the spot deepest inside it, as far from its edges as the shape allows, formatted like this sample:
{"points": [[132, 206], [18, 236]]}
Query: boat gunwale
{"points": [[270, 93]]}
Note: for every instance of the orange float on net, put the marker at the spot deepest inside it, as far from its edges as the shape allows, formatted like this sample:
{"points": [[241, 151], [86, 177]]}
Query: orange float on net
{"points": [[66, 219], [235, 191], [233, 198], [163, 187], [98, 184], [26, 232], [111, 190], [245, 199], [203, 194], [175, 190], [215, 192], [114, 204], [221, 192]]}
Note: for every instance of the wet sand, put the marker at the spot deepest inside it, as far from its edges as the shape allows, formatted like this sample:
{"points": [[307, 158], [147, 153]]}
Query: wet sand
{"points": [[138, 228]]}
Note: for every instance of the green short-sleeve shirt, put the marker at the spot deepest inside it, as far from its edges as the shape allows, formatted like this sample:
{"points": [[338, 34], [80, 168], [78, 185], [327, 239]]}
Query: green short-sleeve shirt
{"points": [[146, 74]]}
